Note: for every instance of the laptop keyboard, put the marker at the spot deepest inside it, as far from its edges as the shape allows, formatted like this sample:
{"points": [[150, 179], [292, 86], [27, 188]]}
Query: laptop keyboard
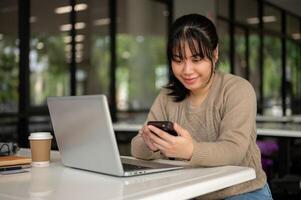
{"points": [[130, 167]]}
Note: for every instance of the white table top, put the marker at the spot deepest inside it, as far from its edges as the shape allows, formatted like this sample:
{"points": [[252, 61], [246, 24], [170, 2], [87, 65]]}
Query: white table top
{"points": [[59, 182], [279, 130], [279, 133], [127, 127], [285, 119], [263, 118]]}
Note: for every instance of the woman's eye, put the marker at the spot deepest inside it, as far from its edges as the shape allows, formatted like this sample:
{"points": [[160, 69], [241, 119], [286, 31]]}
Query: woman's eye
{"points": [[178, 61], [196, 60]]}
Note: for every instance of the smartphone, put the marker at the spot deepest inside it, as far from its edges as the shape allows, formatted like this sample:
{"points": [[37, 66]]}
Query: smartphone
{"points": [[166, 126]]}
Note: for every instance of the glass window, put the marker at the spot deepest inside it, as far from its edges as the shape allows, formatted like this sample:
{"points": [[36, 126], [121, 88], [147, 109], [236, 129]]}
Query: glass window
{"points": [[49, 52], [293, 76], [271, 19], [272, 76], [251, 16], [240, 63], [224, 45], [254, 76], [93, 47], [223, 8], [141, 53], [9, 56], [293, 27]]}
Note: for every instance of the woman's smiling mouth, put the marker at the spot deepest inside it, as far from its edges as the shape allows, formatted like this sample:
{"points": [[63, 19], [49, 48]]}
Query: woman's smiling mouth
{"points": [[190, 81]]}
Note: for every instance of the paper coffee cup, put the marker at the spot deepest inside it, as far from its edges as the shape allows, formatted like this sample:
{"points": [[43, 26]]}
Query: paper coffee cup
{"points": [[40, 145]]}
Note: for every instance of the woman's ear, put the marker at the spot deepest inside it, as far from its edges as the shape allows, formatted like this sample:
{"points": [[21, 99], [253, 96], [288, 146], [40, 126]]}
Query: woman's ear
{"points": [[215, 52]]}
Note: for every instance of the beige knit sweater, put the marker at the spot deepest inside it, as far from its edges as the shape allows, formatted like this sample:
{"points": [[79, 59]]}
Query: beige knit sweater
{"points": [[223, 129]]}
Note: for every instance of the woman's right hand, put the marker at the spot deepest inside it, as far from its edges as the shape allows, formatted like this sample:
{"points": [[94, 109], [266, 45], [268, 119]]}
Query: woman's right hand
{"points": [[145, 134]]}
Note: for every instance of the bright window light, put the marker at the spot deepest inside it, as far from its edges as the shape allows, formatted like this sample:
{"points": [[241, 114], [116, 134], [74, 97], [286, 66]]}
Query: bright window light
{"points": [[67, 9], [79, 47], [40, 45], [265, 19], [253, 20], [63, 10], [78, 25], [33, 19], [296, 36], [269, 19], [65, 27], [80, 7], [102, 22], [78, 38]]}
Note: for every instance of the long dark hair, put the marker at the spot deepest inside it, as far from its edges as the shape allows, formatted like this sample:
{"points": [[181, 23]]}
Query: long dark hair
{"points": [[201, 36]]}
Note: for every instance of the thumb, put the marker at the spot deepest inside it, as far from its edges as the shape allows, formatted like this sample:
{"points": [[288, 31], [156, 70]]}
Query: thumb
{"points": [[181, 131]]}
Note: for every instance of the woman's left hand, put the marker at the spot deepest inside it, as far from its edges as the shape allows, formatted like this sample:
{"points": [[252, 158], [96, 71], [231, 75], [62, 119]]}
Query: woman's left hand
{"points": [[180, 146]]}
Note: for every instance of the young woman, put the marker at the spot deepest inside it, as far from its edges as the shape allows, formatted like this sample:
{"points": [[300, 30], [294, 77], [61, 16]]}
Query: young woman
{"points": [[214, 114]]}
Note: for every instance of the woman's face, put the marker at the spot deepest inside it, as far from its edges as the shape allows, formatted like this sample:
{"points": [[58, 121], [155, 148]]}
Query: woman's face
{"points": [[192, 71]]}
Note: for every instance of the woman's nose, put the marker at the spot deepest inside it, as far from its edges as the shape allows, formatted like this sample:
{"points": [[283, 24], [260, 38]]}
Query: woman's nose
{"points": [[187, 68]]}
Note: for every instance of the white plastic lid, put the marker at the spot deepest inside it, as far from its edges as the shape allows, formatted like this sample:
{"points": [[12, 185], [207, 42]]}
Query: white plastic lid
{"points": [[40, 136]]}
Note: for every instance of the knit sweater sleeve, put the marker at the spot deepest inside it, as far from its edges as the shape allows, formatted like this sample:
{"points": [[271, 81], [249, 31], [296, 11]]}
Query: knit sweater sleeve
{"points": [[156, 113], [238, 123]]}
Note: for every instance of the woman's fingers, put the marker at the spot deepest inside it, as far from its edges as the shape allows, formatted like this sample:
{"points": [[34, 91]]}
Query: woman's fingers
{"points": [[162, 134], [157, 140], [147, 140], [181, 131]]}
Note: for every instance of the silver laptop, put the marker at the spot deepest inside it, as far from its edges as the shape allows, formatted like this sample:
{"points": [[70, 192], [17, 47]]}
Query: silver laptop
{"points": [[86, 140]]}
